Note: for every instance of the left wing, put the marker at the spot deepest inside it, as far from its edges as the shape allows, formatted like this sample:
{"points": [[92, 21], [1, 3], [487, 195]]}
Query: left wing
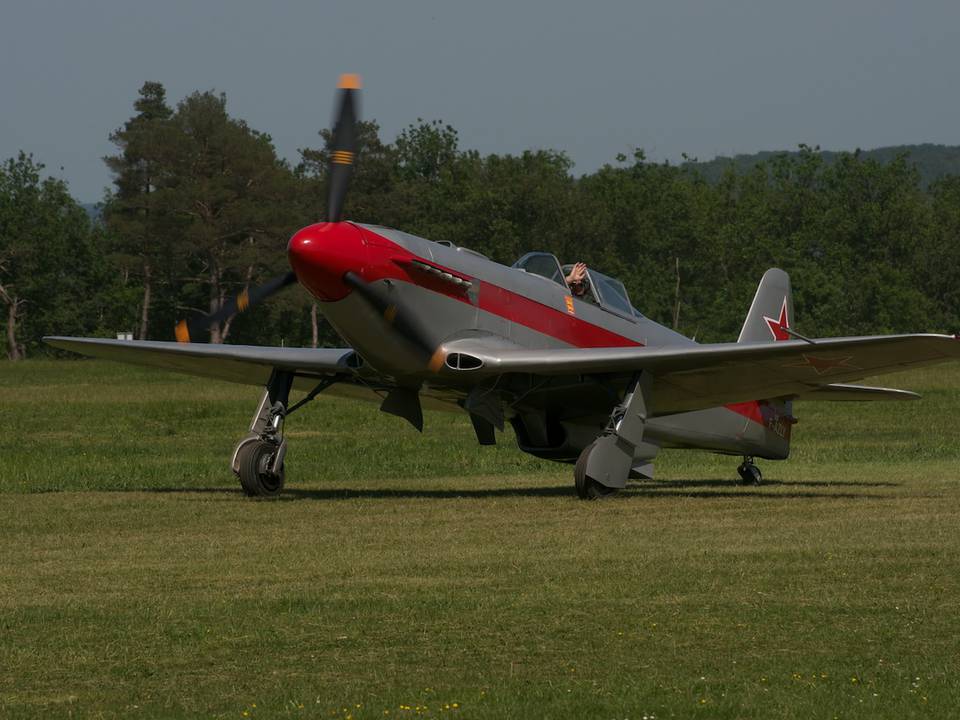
{"points": [[694, 377], [248, 364]]}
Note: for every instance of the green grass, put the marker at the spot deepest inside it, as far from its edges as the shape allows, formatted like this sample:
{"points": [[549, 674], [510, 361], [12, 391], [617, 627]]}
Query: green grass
{"points": [[405, 576]]}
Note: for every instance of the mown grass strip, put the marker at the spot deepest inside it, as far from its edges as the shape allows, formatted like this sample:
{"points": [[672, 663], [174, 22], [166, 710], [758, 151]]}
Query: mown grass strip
{"points": [[403, 576]]}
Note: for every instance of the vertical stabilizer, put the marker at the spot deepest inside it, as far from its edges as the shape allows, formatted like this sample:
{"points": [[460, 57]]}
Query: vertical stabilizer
{"points": [[771, 312]]}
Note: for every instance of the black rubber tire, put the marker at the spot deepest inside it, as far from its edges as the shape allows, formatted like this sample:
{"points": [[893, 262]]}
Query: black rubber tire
{"points": [[587, 487], [750, 474], [742, 472], [254, 460]]}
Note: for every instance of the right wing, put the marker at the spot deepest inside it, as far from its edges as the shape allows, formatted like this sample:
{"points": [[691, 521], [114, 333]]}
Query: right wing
{"points": [[248, 364], [852, 393], [695, 377]]}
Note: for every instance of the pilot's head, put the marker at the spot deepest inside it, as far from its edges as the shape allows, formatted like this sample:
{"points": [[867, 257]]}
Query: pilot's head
{"points": [[579, 287]]}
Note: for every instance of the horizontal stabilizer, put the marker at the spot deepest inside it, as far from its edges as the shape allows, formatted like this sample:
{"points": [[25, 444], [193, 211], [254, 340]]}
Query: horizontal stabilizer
{"points": [[855, 393]]}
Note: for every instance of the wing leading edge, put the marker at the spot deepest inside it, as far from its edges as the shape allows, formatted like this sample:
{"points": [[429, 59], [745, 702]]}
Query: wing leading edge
{"points": [[702, 376], [247, 364], [856, 393]]}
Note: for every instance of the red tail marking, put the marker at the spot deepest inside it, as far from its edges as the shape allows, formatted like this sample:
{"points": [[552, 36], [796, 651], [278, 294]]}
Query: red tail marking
{"points": [[778, 326]]}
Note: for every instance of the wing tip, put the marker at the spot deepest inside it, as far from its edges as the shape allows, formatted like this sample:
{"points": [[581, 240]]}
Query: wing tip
{"points": [[57, 341]]}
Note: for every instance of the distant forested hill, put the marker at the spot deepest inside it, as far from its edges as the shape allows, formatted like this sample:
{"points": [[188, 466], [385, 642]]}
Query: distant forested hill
{"points": [[932, 161]]}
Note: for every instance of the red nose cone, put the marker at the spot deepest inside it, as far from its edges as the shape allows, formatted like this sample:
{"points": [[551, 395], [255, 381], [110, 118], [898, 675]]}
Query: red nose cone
{"points": [[320, 255]]}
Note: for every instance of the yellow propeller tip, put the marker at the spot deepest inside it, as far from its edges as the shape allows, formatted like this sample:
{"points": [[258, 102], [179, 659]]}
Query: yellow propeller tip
{"points": [[349, 81], [436, 360], [183, 334]]}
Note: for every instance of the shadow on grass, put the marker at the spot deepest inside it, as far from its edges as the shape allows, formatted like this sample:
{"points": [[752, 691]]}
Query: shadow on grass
{"points": [[765, 491], [663, 489], [290, 493], [756, 494], [766, 483]]}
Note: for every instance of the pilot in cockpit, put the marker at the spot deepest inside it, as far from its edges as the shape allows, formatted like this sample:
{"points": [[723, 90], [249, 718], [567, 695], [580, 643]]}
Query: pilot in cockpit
{"points": [[577, 280]]}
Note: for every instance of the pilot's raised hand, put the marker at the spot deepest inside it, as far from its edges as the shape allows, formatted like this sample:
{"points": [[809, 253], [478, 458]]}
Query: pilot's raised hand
{"points": [[577, 278]]}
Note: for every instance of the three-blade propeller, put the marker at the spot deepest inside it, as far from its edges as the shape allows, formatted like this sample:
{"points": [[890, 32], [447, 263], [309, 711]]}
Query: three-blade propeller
{"points": [[342, 155]]}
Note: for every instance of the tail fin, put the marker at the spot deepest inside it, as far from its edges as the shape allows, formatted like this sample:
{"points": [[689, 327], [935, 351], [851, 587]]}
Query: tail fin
{"points": [[771, 311]]}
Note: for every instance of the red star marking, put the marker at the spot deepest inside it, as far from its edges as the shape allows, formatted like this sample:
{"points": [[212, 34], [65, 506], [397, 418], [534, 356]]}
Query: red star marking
{"points": [[824, 365], [778, 326]]}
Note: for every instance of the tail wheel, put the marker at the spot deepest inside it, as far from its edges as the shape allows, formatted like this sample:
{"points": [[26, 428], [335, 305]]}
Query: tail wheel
{"points": [[587, 487], [256, 478]]}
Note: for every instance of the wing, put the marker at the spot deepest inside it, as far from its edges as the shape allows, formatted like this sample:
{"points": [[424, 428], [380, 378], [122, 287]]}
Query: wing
{"points": [[246, 364], [694, 377]]}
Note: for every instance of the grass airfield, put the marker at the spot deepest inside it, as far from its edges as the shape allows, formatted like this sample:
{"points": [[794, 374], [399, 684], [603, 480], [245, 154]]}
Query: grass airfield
{"points": [[403, 576]]}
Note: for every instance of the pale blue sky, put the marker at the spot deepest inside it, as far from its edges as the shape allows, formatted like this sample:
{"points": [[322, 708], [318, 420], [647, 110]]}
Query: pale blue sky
{"points": [[590, 78]]}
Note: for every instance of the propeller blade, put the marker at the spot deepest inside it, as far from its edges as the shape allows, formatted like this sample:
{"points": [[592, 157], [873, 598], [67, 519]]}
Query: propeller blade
{"points": [[343, 146], [405, 321], [195, 327]]}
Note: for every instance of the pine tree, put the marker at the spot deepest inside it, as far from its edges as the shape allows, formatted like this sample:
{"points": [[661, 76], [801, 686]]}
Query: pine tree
{"points": [[233, 200], [131, 213]]}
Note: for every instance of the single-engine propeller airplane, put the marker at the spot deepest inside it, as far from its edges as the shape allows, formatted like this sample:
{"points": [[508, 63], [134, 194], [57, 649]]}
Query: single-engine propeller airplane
{"points": [[583, 379]]}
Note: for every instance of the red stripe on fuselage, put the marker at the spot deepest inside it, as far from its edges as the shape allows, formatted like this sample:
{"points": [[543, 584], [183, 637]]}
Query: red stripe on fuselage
{"points": [[556, 323], [516, 308], [394, 262], [572, 330]]}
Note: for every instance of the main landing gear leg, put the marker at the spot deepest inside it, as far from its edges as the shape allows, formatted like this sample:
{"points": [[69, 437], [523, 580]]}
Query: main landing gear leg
{"points": [[749, 473], [258, 458], [604, 465]]}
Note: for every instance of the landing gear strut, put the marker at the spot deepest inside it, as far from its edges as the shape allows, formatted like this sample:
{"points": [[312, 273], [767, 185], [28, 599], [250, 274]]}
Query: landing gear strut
{"points": [[258, 458], [749, 473]]}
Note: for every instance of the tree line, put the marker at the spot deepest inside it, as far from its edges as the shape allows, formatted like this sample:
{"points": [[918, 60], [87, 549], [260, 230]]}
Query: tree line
{"points": [[202, 206]]}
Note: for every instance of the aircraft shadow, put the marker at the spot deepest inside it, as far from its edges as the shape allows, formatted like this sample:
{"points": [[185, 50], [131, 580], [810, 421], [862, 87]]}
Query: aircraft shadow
{"points": [[688, 488], [564, 491], [341, 493], [757, 494], [766, 483], [386, 493], [664, 489]]}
